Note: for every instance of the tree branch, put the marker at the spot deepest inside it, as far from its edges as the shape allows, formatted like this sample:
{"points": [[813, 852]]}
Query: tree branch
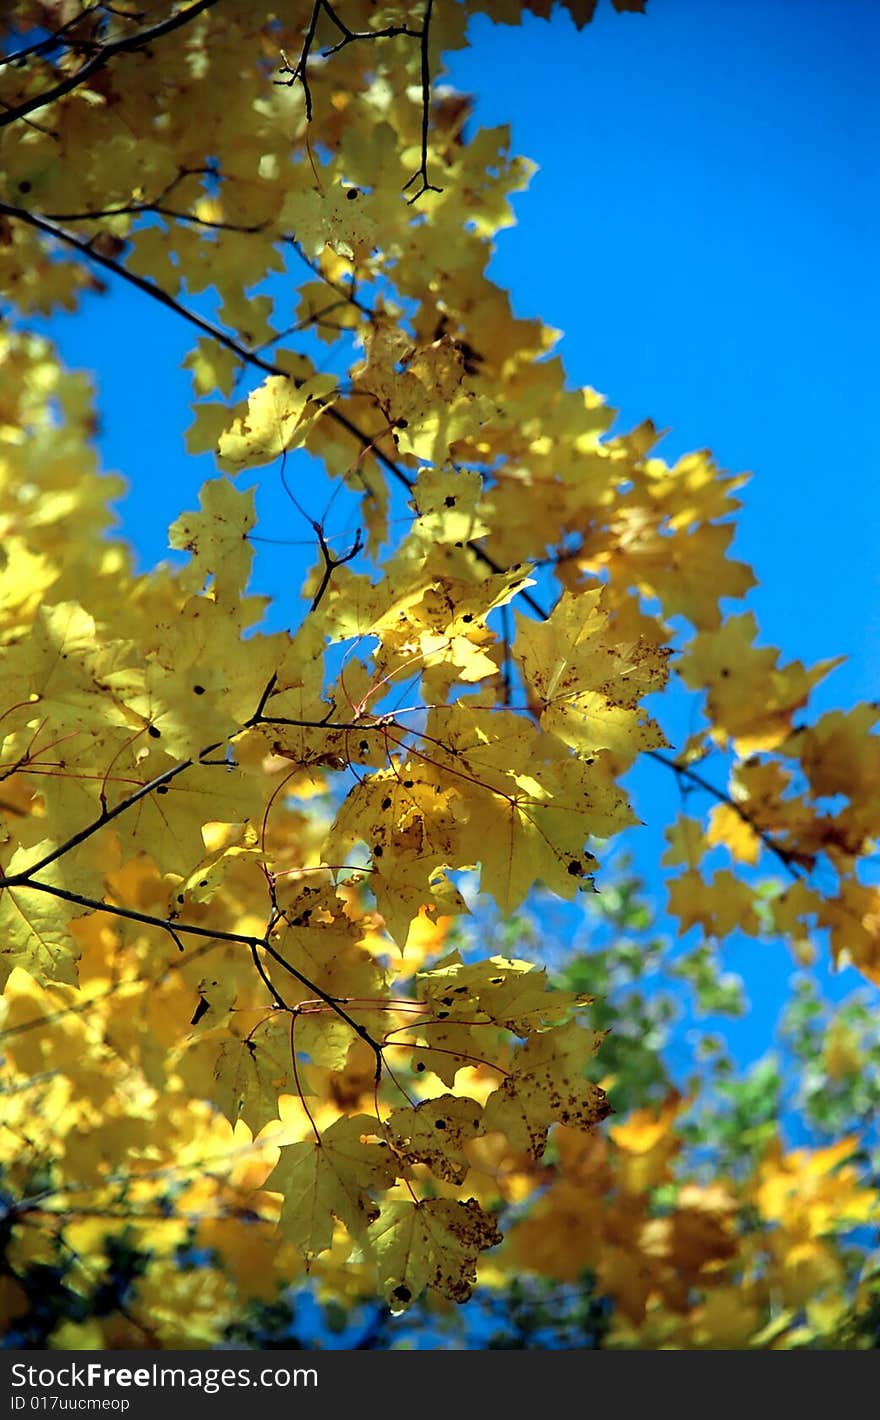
{"points": [[248, 357], [791, 861], [137, 209], [142, 283], [367, 442], [422, 170], [126, 45], [298, 72], [192, 929], [56, 40], [106, 816]]}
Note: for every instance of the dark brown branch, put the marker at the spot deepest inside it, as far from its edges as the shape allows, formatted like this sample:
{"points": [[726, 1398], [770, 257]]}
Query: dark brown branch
{"points": [[267, 981], [300, 69], [422, 170], [299, 72], [791, 861], [56, 40], [378, 724], [507, 661], [128, 44], [160, 781], [331, 562], [176, 929], [106, 816], [347, 295], [136, 209], [350, 36], [142, 283], [192, 929], [258, 713], [144, 919], [317, 318]]}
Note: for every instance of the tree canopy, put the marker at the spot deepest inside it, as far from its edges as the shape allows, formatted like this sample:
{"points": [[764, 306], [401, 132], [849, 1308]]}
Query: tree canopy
{"points": [[252, 1034]]}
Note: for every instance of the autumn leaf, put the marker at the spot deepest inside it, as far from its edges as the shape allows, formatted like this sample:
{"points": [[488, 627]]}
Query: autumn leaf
{"points": [[284, 989], [546, 1083], [217, 539], [331, 1178], [434, 1242], [435, 1133], [277, 419], [35, 920]]}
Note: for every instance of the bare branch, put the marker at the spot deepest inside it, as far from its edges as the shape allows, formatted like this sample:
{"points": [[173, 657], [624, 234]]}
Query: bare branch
{"points": [[56, 40], [153, 786], [422, 170], [347, 294], [331, 562], [267, 981], [149, 288], [349, 36], [106, 816], [298, 72]]}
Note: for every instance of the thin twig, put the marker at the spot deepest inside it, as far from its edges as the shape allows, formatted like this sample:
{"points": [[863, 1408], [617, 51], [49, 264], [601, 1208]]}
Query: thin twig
{"points": [[299, 71], [142, 283], [55, 40], [136, 209], [106, 816], [348, 295], [350, 36], [331, 562], [506, 664]]}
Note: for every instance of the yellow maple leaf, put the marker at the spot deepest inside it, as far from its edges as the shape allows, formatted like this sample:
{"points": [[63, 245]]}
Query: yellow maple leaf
{"points": [[546, 1084], [217, 540], [586, 687], [430, 1243], [333, 1177], [35, 920], [435, 1133], [279, 414]]}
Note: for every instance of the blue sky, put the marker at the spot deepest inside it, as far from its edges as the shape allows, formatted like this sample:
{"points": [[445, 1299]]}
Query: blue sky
{"points": [[703, 229]]}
